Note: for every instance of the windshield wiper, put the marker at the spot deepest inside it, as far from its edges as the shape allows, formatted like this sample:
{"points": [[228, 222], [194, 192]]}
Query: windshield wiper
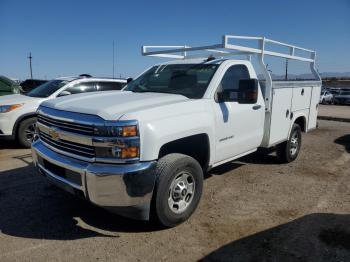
{"points": [[154, 91]]}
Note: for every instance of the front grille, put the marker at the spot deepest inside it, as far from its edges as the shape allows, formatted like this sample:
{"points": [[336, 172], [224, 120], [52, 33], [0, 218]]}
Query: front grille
{"points": [[67, 146], [66, 126]]}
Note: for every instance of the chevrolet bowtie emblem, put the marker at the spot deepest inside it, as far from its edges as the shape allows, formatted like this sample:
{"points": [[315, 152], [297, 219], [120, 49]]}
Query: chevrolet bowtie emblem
{"points": [[53, 132]]}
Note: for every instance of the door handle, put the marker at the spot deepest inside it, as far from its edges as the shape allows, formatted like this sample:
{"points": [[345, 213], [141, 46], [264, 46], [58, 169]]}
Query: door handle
{"points": [[256, 107]]}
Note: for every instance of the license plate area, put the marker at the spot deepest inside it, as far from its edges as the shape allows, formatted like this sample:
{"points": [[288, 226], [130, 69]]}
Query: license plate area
{"points": [[69, 175]]}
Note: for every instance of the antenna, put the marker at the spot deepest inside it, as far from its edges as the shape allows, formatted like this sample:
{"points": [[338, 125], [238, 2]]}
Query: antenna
{"points": [[30, 65], [113, 59], [286, 74]]}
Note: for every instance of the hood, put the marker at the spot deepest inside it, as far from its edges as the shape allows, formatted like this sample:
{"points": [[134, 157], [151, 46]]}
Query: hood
{"points": [[112, 105], [17, 99]]}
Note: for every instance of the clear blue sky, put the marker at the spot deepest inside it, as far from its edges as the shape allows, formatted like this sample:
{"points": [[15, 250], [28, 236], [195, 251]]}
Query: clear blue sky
{"points": [[73, 37]]}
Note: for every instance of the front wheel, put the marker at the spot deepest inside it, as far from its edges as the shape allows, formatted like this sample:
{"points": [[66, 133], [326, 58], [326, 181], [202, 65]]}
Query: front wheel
{"points": [[178, 189], [26, 132], [288, 151]]}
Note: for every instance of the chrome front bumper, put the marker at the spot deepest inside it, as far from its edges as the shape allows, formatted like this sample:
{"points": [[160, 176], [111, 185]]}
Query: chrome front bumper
{"points": [[121, 188]]}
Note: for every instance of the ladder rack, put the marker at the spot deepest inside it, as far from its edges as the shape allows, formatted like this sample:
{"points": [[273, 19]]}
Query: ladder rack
{"points": [[228, 48]]}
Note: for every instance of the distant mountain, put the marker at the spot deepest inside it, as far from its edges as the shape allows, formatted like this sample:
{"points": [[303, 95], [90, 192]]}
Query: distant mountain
{"points": [[308, 76], [335, 74]]}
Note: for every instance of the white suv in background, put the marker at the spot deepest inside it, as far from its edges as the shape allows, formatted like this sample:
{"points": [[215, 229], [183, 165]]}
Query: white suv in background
{"points": [[326, 97], [18, 112]]}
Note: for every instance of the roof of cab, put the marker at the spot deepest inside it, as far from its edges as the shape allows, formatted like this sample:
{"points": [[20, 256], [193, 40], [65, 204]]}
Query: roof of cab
{"points": [[72, 78], [194, 61]]}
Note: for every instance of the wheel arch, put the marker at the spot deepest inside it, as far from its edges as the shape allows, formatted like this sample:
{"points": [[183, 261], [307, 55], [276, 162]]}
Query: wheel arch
{"points": [[301, 121], [196, 146], [19, 120]]}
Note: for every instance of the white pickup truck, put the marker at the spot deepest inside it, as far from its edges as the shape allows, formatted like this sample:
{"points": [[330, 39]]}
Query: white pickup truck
{"points": [[142, 152]]}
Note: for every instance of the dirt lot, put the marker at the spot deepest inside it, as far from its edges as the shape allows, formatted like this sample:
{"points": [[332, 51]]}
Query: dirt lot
{"points": [[252, 210], [335, 111]]}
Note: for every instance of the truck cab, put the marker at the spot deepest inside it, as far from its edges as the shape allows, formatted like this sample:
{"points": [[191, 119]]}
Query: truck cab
{"points": [[142, 152]]}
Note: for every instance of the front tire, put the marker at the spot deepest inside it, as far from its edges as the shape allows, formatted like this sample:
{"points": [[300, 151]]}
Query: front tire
{"points": [[288, 151], [26, 132], [178, 189]]}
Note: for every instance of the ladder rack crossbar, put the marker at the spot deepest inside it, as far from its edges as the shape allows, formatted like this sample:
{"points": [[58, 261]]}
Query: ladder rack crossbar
{"points": [[225, 48]]}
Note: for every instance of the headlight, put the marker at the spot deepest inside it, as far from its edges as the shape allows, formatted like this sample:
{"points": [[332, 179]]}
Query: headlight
{"points": [[116, 131], [117, 141], [8, 108]]}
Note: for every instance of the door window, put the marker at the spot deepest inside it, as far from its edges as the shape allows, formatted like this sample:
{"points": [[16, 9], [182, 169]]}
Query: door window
{"points": [[230, 80]]}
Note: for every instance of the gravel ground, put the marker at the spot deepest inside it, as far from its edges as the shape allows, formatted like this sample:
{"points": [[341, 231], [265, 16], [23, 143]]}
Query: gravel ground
{"points": [[253, 209], [335, 111]]}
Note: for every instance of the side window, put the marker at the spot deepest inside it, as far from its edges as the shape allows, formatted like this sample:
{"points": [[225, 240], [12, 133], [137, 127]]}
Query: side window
{"points": [[231, 78], [82, 88], [107, 86]]}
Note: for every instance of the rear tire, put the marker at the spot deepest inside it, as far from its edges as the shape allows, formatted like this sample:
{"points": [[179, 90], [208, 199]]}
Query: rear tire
{"points": [[177, 191], [26, 132], [288, 151]]}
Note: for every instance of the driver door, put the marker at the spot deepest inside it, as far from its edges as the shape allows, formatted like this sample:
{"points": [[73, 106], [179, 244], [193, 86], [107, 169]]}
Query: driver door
{"points": [[240, 127]]}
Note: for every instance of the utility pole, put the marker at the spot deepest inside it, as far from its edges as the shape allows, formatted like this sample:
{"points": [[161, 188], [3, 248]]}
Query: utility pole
{"points": [[30, 65], [286, 76], [113, 59]]}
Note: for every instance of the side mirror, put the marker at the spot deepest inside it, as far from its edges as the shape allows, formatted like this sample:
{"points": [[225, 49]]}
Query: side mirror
{"points": [[248, 91], [129, 80], [64, 93]]}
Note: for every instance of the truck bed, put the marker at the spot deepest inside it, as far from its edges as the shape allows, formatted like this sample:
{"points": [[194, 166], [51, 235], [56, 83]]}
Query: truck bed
{"points": [[291, 100]]}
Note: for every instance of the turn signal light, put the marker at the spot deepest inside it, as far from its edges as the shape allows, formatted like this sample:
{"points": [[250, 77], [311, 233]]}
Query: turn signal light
{"points": [[130, 152]]}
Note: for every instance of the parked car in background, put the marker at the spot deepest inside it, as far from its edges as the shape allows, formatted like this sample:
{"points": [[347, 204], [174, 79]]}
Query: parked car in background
{"points": [[8, 87], [334, 91], [326, 97], [18, 112], [343, 98], [30, 84]]}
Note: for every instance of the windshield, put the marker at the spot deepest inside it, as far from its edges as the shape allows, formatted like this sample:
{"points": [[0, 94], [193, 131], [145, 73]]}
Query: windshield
{"points": [[190, 80], [47, 88], [347, 93]]}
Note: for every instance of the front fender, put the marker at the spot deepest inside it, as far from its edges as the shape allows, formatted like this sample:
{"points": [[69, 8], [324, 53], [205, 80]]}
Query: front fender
{"points": [[157, 133]]}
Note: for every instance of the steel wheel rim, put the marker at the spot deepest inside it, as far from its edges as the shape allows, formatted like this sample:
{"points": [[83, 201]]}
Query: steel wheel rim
{"points": [[30, 133], [181, 192], [294, 143]]}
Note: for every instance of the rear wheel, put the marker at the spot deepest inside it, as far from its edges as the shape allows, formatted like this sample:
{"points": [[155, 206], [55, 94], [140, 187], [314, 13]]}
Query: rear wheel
{"points": [[178, 189], [288, 151], [26, 132]]}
